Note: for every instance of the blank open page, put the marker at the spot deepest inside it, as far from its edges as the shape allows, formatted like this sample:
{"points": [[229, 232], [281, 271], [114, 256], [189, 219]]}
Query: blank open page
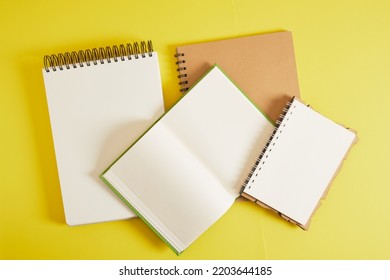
{"points": [[183, 174]]}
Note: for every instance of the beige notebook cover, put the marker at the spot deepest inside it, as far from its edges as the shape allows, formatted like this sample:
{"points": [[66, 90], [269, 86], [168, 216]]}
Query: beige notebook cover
{"points": [[262, 65]]}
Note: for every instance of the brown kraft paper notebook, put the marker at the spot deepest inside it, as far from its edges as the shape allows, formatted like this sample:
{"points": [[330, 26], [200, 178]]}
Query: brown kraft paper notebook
{"points": [[262, 65]]}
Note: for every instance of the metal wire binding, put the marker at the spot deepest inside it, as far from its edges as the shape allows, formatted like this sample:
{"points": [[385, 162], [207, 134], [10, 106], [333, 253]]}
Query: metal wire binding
{"points": [[93, 56], [262, 157], [182, 74]]}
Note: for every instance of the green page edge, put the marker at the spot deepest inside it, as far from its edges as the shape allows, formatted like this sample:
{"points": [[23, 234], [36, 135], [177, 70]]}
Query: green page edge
{"points": [[101, 176], [139, 214], [243, 93]]}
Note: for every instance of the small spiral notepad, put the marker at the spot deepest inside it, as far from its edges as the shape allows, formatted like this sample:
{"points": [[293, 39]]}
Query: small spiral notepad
{"points": [[296, 167], [100, 100]]}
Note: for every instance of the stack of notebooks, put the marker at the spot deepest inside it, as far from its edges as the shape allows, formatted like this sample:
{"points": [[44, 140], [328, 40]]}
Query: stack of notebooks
{"points": [[239, 130]]}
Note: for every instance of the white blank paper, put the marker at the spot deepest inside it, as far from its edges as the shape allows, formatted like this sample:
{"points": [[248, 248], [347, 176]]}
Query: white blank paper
{"points": [[300, 162], [186, 171], [96, 112]]}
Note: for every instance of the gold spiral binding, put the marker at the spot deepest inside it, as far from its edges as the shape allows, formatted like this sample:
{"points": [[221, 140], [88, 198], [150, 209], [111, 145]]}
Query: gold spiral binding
{"points": [[181, 69], [100, 55], [260, 159]]}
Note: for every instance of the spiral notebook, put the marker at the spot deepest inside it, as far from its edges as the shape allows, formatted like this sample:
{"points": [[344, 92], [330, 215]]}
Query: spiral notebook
{"points": [[300, 160], [262, 65], [100, 100]]}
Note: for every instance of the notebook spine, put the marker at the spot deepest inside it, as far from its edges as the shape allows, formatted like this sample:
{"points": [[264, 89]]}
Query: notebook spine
{"points": [[100, 55], [182, 70], [260, 159]]}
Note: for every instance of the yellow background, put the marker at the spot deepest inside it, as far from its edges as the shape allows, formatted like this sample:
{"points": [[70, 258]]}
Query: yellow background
{"points": [[343, 59]]}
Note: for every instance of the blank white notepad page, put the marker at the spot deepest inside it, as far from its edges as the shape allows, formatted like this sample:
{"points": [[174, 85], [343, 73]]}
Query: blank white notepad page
{"points": [[300, 162], [96, 112]]}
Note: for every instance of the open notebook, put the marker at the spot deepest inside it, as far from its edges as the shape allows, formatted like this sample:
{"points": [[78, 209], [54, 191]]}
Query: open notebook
{"points": [[100, 101], [263, 65], [186, 171]]}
